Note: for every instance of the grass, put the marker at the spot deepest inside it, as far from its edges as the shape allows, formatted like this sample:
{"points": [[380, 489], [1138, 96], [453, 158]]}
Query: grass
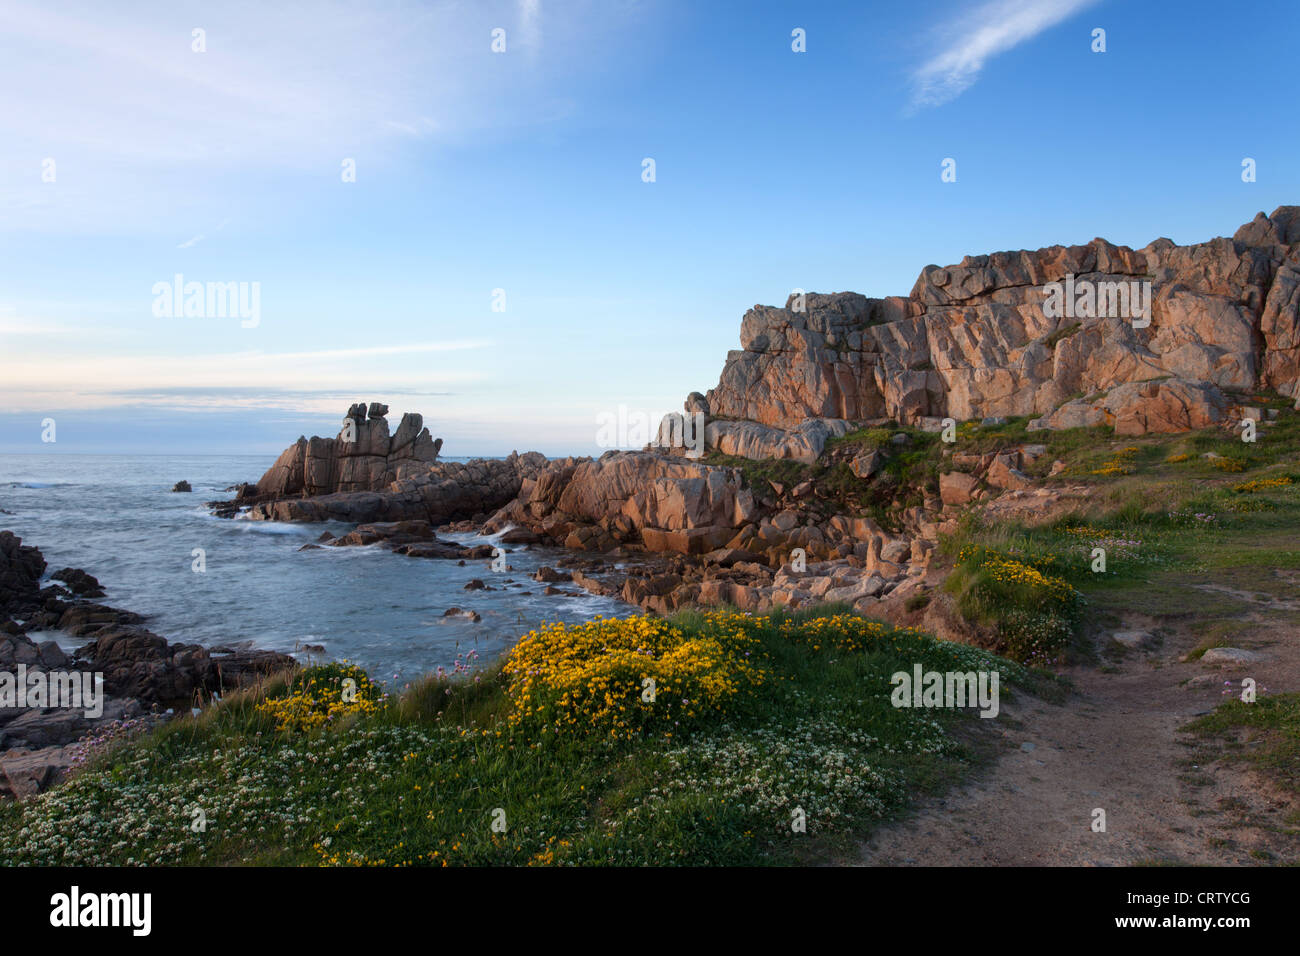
{"points": [[785, 715], [1183, 540], [1270, 726]]}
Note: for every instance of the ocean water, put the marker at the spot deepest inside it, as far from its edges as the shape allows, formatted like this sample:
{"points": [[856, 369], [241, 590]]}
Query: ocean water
{"points": [[116, 517]]}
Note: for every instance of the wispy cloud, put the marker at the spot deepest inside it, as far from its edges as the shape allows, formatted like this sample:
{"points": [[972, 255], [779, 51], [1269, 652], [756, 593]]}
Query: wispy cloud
{"points": [[972, 41], [134, 117], [232, 379], [530, 28], [14, 324]]}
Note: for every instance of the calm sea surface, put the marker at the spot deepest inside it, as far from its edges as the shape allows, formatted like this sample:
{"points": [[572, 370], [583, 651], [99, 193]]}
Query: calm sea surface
{"points": [[116, 517]]}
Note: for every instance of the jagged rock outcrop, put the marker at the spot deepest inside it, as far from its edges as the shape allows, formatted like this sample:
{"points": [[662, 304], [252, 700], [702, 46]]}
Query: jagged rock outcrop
{"points": [[988, 337], [364, 475], [21, 569], [363, 457]]}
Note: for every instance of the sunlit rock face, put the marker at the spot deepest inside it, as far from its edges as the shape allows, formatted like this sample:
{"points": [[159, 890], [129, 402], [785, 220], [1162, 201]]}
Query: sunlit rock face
{"points": [[1037, 333]]}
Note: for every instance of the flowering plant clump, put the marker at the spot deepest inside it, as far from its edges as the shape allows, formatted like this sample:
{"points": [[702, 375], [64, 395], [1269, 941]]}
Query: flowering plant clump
{"points": [[1088, 532], [105, 736], [1174, 459], [1034, 639], [140, 813], [1120, 546], [1120, 463], [1004, 569], [1251, 505], [850, 633], [1056, 590], [317, 696], [1192, 518], [1261, 484], [631, 676], [829, 771], [1230, 465], [844, 632], [1035, 612]]}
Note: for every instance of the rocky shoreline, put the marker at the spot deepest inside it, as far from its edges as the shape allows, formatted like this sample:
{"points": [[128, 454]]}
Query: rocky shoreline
{"points": [[145, 678], [1201, 328], [663, 529]]}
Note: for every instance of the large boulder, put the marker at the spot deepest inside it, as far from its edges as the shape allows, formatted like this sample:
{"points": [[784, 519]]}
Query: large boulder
{"points": [[1141, 408], [662, 501], [803, 442]]}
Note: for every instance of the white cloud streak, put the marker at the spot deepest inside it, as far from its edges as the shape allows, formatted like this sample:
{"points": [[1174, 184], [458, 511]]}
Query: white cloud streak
{"points": [[969, 44], [104, 381], [140, 124]]}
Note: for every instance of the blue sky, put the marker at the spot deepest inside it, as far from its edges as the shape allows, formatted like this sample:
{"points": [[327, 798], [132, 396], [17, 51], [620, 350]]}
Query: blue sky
{"points": [[522, 171]]}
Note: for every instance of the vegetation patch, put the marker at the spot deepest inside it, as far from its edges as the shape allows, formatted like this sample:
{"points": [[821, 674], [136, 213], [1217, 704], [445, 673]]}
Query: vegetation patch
{"points": [[1270, 728], [1033, 610], [555, 755], [317, 696]]}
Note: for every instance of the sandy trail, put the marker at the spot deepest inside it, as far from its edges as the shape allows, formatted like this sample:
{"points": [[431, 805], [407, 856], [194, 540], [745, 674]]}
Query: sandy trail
{"points": [[1113, 744]]}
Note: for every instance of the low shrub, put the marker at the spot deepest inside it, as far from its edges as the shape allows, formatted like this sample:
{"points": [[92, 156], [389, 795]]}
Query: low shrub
{"points": [[318, 696]]}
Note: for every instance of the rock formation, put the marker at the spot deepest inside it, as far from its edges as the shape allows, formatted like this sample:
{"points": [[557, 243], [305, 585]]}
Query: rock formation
{"points": [[982, 338], [364, 475], [363, 457], [1163, 339], [663, 503]]}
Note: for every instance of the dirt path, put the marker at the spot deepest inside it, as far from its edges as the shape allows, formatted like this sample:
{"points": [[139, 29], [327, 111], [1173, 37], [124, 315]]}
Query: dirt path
{"points": [[1114, 744]]}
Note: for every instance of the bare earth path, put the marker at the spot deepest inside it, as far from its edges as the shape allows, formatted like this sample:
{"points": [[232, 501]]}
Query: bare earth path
{"points": [[1114, 744]]}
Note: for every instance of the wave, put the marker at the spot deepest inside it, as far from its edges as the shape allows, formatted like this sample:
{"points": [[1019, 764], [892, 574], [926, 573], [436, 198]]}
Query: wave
{"points": [[283, 528]]}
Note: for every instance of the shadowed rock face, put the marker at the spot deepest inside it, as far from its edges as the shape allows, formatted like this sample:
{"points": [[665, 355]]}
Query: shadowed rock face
{"points": [[21, 569], [438, 492], [979, 339]]}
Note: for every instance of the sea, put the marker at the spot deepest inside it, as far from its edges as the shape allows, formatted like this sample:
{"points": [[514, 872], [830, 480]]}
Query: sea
{"points": [[115, 517]]}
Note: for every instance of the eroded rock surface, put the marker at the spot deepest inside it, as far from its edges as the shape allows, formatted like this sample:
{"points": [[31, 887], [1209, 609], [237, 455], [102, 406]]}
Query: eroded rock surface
{"points": [[976, 340]]}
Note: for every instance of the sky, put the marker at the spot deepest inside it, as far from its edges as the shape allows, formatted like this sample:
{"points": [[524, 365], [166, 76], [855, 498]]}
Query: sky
{"points": [[416, 218]]}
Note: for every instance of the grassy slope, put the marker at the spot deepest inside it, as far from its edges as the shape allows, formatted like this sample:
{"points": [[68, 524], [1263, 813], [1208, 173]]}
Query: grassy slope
{"points": [[1174, 528], [417, 782]]}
